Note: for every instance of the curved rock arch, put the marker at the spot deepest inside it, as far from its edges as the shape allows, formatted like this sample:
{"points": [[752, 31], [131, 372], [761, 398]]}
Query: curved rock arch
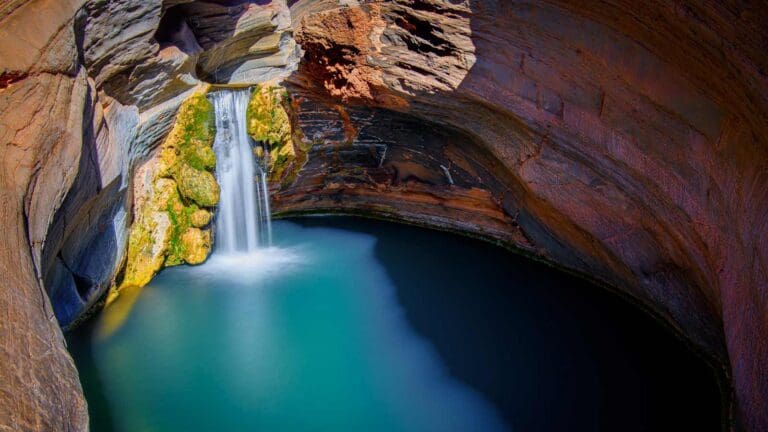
{"points": [[620, 142]]}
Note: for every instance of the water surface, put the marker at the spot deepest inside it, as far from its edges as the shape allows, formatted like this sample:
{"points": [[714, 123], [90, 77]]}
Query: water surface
{"points": [[356, 325]]}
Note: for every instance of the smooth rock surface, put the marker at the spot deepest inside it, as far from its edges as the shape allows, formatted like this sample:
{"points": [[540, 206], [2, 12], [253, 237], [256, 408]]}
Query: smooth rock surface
{"points": [[39, 389], [626, 143], [622, 156]]}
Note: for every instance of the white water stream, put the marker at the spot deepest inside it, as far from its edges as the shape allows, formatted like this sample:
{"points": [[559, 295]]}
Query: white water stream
{"points": [[243, 221]]}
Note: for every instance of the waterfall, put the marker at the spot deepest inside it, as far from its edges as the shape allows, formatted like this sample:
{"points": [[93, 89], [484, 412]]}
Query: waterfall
{"points": [[243, 221]]}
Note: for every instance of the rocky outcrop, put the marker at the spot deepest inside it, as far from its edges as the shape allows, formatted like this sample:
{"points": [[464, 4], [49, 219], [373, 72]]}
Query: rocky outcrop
{"points": [[269, 125], [88, 91], [40, 156], [172, 196], [375, 162], [625, 143], [243, 43], [620, 154]]}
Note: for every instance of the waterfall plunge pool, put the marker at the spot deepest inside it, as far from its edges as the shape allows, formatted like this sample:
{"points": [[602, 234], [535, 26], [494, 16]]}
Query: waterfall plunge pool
{"points": [[354, 325]]}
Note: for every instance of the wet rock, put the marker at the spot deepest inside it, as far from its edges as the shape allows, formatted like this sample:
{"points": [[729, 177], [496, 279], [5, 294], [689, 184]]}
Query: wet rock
{"points": [[200, 218], [196, 244]]}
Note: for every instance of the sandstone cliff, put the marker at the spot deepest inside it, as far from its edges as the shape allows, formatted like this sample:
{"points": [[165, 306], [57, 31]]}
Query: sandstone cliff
{"points": [[624, 142]]}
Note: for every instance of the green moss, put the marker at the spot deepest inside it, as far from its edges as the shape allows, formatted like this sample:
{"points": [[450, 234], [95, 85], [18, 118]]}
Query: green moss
{"points": [[175, 252], [189, 159], [281, 160], [198, 186], [268, 122], [187, 154], [164, 232], [199, 157], [196, 120]]}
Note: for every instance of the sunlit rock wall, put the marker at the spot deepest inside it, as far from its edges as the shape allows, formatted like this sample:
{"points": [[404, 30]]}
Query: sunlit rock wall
{"points": [[624, 142], [88, 90], [630, 140]]}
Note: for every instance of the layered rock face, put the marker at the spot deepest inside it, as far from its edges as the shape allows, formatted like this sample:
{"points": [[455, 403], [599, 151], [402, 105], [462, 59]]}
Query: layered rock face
{"points": [[624, 142], [89, 90], [628, 145]]}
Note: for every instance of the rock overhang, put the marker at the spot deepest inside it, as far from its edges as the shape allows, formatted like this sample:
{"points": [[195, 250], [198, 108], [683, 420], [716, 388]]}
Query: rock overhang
{"points": [[620, 143]]}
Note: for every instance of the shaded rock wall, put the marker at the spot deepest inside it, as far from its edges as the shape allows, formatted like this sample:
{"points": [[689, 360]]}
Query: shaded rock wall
{"points": [[623, 155], [88, 89], [378, 162], [623, 142]]}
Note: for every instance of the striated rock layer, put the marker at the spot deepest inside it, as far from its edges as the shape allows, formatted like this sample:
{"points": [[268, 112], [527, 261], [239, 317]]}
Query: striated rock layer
{"points": [[623, 142], [88, 91], [626, 144]]}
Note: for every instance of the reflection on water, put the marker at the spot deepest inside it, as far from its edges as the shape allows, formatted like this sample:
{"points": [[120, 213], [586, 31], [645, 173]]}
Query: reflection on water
{"points": [[113, 317], [346, 325]]}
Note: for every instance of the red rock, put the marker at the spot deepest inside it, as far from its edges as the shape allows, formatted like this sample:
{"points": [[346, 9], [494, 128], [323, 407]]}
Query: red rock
{"points": [[626, 142]]}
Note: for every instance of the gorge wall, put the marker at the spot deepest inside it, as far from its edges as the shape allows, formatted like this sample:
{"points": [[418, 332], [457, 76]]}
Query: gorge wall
{"points": [[623, 142]]}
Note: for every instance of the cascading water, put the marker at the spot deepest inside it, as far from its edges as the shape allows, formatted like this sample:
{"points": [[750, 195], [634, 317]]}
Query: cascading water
{"points": [[243, 222]]}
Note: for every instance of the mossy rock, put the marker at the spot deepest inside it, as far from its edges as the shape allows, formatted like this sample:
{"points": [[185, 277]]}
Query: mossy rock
{"points": [[196, 244], [180, 221], [200, 218], [268, 121], [166, 194], [166, 227], [196, 121], [192, 135], [200, 157], [198, 186], [147, 243]]}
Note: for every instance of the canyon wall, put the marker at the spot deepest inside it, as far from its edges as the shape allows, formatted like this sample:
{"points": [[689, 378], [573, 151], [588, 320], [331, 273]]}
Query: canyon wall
{"points": [[623, 142], [629, 144]]}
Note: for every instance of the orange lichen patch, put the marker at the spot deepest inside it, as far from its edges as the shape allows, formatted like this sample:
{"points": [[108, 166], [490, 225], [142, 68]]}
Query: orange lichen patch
{"points": [[336, 44], [391, 101], [350, 131]]}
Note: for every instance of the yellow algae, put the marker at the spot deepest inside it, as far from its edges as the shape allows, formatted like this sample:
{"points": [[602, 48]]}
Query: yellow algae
{"points": [[200, 218], [169, 205], [269, 124]]}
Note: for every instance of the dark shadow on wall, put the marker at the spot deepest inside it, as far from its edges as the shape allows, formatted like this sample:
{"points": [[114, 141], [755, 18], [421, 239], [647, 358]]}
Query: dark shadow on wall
{"points": [[514, 88], [549, 350], [579, 84], [82, 247]]}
